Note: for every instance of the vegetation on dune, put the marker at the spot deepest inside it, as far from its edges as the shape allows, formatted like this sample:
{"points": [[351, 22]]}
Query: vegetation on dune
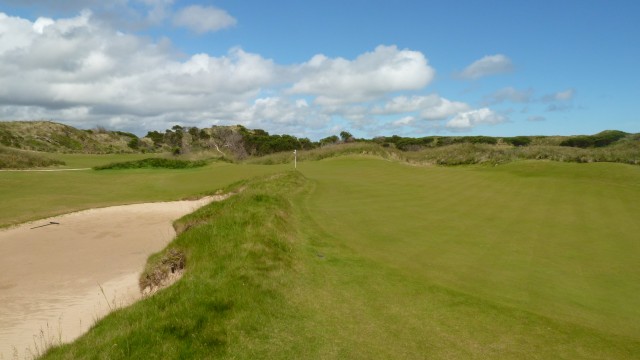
{"points": [[463, 154], [17, 159], [237, 143], [467, 153], [328, 151], [601, 139], [49, 136], [160, 163]]}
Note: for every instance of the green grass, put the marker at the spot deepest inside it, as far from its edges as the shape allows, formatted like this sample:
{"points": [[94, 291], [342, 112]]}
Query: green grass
{"points": [[33, 195], [360, 258], [552, 238]]}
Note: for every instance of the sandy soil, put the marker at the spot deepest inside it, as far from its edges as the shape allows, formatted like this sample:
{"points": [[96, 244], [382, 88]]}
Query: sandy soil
{"points": [[52, 277]]}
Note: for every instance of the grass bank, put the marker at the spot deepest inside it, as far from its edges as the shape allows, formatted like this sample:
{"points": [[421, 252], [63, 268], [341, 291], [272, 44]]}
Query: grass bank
{"points": [[361, 258]]}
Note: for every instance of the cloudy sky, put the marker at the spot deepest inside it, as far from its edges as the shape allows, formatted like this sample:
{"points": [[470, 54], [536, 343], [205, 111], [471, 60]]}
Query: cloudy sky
{"points": [[314, 68]]}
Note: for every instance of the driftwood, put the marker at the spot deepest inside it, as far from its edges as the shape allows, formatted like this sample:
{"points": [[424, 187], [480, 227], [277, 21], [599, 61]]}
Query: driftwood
{"points": [[50, 223]]}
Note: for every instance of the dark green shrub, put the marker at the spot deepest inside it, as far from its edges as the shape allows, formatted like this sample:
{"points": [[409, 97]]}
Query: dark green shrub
{"points": [[518, 140], [134, 144], [153, 163], [600, 139]]}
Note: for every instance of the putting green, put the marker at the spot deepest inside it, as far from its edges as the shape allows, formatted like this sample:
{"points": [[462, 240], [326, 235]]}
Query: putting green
{"points": [[556, 239]]}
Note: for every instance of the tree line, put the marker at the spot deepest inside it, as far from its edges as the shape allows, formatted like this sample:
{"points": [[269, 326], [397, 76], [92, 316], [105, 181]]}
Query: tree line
{"points": [[242, 142]]}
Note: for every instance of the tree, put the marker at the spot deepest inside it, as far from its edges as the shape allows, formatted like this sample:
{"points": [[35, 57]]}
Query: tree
{"points": [[346, 136], [156, 137], [329, 140]]}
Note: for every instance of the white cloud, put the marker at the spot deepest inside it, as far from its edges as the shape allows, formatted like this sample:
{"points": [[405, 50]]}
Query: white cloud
{"points": [[430, 107], [407, 120], [560, 96], [536, 118], [403, 104], [470, 119], [158, 10], [488, 65], [81, 71], [369, 76], [565, 95], [202, 19], [77, 62], [42, 23], [510, 94], [443, 110]]}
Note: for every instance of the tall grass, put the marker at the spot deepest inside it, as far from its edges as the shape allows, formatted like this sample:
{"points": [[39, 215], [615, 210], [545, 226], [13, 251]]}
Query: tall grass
{"points": [[626, 151], [20, 159]]}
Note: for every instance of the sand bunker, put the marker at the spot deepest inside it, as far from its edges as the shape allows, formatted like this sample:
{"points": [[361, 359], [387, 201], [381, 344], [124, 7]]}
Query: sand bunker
{"points": [[57, 279]]}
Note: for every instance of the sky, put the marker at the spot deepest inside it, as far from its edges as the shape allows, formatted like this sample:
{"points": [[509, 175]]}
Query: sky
{"points": [[316, 68]]}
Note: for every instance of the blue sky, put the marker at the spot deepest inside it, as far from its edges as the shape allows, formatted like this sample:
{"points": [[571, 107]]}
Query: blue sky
{"points": [[412, 68]]}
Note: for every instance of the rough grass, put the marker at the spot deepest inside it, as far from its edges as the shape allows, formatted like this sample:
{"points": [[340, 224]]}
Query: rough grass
{"points": [[18, 159], [158, 163], [361, 258]]}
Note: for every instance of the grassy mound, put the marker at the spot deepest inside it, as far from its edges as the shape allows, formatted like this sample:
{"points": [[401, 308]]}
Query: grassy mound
{"points": [[160, 163], [17, 159], [49, 136]]}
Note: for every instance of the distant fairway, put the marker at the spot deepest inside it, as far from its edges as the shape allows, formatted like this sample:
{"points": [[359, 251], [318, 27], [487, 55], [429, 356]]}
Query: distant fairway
{"points": [[358, 257], [33, 195]]}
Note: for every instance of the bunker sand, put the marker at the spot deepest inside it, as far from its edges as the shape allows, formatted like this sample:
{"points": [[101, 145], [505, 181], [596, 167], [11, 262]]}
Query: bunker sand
{"points": [[58, 275]]}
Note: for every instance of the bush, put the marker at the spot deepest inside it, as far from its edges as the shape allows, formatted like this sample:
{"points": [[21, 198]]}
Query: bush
{"points": [[518, 140], [153, 163], [601, 139]]}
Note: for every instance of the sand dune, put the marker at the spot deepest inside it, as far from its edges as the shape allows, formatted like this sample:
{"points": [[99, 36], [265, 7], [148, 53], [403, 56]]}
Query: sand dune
{"points": [[52, 277]]}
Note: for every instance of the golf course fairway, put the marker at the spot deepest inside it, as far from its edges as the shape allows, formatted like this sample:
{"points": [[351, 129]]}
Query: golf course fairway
{"points": [[357, 257]]}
